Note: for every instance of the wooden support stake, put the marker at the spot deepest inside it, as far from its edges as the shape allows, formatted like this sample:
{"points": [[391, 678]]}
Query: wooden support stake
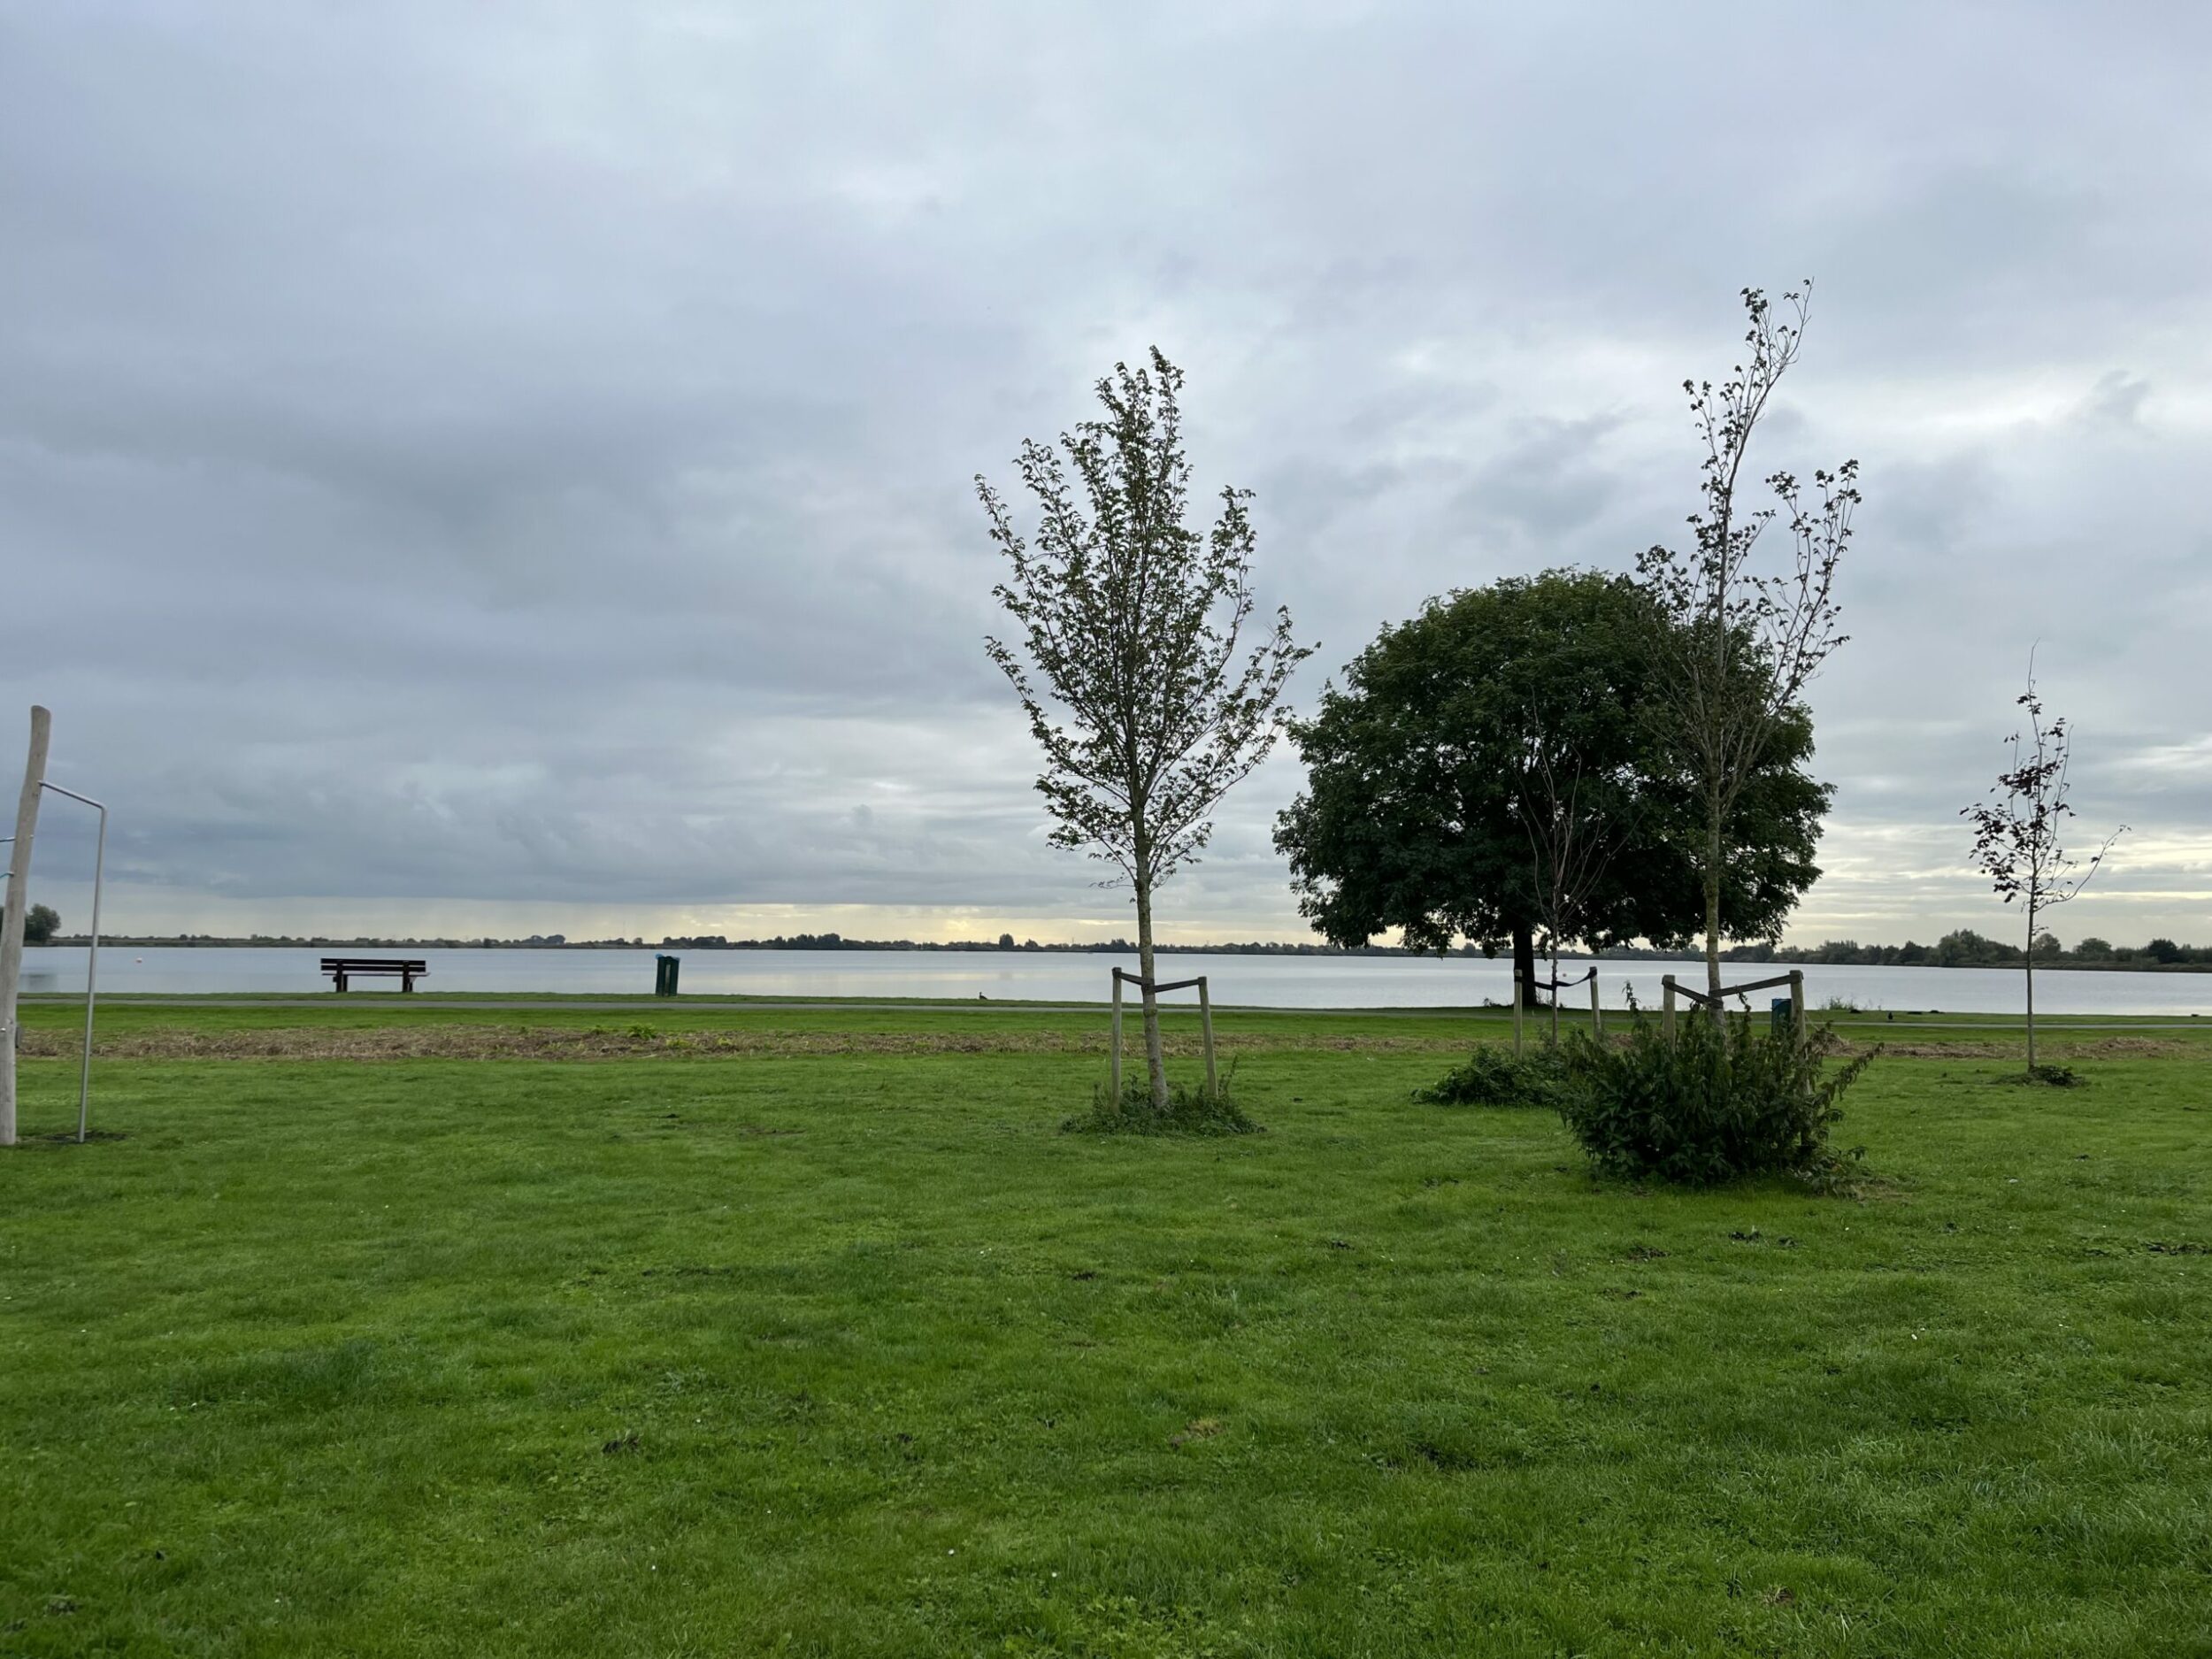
{"points": [[13, 910], [1666, 1005], [1597, 1014], [1206, 1025], [1797, 1004], [1115, 1066], [1517, 1013]]}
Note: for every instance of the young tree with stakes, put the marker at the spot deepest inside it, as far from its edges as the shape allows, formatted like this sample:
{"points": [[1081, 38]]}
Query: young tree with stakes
{"points": [[1131, 672], [1746, 641], [2018, 831], [1577, 816]]}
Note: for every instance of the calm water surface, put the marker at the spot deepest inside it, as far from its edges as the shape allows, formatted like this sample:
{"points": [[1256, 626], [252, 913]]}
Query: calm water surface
{"points": [[1253, 981]]}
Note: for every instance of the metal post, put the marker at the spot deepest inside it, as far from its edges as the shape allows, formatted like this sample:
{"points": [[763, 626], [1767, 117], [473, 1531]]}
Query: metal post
{"points": [[1666, 1005], [1597, 1014], [1797, 1003], [1206, 1025], [1117, 1044], [1516, 1012], [92, 958], [13, 910]]}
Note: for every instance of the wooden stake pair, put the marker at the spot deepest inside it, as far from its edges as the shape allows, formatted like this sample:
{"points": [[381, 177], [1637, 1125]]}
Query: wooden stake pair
{"points": [[1794, 979], [1520, 989], [1205, 1023]]}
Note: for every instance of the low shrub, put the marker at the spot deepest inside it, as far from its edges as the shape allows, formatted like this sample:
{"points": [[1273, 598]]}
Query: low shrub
{"points": [[1716, 1102], [1192, 1110], [1496, 1076]]}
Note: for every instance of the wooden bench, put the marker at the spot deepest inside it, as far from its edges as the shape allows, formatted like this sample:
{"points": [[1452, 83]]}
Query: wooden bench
{"points": [[408, 969]]}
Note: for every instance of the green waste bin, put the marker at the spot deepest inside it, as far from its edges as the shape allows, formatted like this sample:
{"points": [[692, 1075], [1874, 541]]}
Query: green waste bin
{"points": [[665, 975], [1778, 1016]]}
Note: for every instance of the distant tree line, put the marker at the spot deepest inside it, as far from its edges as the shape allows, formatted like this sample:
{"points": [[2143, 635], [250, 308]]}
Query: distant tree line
{"points": [[1963, 948], [359, 941], [1089, 946], [781, 941], [1966, 948]]}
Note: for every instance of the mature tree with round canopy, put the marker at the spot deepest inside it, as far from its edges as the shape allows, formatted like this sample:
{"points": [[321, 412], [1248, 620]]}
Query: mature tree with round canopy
{"points": [[1486, 773]]}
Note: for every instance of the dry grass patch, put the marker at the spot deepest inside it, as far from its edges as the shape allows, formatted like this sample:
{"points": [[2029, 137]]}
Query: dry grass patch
{"points": [[2099, 1049], [598, 1043]]}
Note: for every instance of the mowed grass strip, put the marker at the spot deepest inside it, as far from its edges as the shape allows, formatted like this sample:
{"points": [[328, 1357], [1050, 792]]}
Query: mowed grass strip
{"points": [[365, 1026], [853, 1353]]}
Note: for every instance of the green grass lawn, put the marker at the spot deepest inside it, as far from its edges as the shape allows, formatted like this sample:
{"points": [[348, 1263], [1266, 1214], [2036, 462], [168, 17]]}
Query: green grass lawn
{"points": [[758, 1331]]}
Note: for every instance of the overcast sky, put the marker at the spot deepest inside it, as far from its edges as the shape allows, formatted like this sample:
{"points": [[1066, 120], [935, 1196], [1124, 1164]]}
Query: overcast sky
{"points": [[481, 468]]}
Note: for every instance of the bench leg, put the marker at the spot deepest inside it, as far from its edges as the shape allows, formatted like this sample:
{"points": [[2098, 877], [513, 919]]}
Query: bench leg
{"points": [[406, 981], [342, 984]]}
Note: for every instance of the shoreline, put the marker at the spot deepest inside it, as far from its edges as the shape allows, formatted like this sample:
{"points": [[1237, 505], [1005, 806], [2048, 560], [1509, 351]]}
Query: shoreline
{"points": [[1326, 953]]}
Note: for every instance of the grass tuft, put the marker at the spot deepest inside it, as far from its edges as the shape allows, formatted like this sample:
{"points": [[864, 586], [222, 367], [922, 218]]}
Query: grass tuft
{"points": [[2047, 1076], [1192, 1110]]}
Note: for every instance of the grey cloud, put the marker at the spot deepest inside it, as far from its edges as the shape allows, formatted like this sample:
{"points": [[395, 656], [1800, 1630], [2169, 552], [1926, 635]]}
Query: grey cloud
{"points": [[448, 455], [2118, 398]]}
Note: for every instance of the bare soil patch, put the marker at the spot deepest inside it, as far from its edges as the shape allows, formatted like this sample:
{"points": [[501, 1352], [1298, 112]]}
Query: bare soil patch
{"points": [[517, 1042]]}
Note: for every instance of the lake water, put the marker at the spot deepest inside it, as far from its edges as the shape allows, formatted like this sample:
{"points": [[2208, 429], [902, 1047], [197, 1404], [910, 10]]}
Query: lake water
{"points": [[1251, 981]]}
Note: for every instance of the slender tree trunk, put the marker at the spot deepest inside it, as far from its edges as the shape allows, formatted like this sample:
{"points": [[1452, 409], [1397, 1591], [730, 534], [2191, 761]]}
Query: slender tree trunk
{"points": [[1712, 901], [1525, 964], [1552, 941], [2030, 990], [1155, 1061]]}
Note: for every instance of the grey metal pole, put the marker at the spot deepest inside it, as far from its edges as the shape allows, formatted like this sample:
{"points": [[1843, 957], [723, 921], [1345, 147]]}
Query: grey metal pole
{"points": [[1597, 1015], [1666, 1004], [12, 911], [92, 958]]}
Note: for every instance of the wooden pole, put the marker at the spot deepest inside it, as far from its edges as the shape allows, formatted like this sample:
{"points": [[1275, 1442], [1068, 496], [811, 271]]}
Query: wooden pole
{"points": [[1597, 1014], [1666, 1005], [1797, 1003], [1516, 1012], [12, 911], [1206, 1025], [1116, 1045]]}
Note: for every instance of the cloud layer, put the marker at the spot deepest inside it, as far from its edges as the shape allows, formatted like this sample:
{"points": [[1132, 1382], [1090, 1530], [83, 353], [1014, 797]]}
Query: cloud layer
{"points": [[468, 470]]}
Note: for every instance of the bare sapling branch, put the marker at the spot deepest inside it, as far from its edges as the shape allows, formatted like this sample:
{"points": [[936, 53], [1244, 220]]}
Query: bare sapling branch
{"points": [[1747, 641], [2019, 830], [1576, 822]]}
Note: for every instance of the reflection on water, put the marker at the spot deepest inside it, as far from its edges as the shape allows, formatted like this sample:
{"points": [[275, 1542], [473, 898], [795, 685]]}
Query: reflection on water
{"points": [[1040, 976]]}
